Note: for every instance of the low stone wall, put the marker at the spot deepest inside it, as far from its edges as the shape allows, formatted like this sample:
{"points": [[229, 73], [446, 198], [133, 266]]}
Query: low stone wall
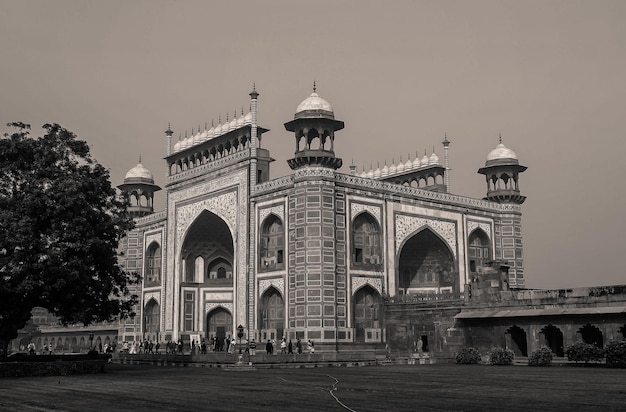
{"points": [[51, 368]]}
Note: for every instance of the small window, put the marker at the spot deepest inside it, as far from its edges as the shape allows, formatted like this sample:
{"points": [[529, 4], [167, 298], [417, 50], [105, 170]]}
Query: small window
{"points": [[358, 255], [279, 256], [221, 273]]}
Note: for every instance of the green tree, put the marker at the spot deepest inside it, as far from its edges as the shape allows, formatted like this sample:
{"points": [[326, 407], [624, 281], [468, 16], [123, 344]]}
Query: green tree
{"points": [[60, 225]]}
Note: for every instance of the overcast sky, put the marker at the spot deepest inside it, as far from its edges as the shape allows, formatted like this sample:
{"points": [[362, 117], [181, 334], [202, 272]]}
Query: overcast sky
{"points": [[549, 75]]}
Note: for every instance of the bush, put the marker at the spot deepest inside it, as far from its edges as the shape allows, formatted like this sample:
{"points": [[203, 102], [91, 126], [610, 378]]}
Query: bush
{"points": [[467, 356], [541, 357], [501, 356], [584, 352], [616, 354]]}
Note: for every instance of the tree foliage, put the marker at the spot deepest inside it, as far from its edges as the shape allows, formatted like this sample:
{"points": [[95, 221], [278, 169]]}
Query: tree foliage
{"points": [[60, 225]]}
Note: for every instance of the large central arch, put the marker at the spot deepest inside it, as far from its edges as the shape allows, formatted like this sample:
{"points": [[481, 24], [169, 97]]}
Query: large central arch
{"points": [[426, 265]]}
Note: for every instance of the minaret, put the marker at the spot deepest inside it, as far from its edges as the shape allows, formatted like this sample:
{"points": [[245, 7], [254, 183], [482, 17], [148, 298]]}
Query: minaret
{"points": [[314, 122], [169, 134], [446, 162]]}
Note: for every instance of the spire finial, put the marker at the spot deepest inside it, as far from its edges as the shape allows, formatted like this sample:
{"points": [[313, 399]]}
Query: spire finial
{"points": [[254, 94], [433, 148], [314, 87], [169, 131], [500, 137], [140, 158]]}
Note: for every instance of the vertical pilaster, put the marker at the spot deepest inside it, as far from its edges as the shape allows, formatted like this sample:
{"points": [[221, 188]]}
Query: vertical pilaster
{"points": [[252, 217], [446, 162]]}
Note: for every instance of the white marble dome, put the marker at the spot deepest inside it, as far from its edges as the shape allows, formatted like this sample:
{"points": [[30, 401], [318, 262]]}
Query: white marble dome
{"points": [[139, 172], [314, 102], [501, 152]]}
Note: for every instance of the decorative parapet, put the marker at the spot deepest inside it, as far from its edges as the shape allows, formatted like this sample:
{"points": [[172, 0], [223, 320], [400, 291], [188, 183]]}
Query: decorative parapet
{"points": [[205, 167], [275, 184], [425, 194], [152, 218]]}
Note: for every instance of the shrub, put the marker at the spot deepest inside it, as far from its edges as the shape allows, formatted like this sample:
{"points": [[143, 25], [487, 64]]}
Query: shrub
{"points": [[584, 352], [501, 356], [616, 354], [468, 356], [541, 357]]}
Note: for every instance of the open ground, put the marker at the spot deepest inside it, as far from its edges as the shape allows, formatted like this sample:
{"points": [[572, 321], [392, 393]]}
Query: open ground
{"points": [[390, 388]]}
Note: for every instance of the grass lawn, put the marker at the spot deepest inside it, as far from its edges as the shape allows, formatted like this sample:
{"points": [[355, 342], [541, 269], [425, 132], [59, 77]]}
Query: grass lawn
{"points": [[442, 387]]}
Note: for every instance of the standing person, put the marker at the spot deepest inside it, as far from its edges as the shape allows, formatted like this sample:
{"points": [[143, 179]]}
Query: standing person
{"points": [[299, 346], [268, 347], [290, 348], [311, 346], [283, 346], [157, 346]]}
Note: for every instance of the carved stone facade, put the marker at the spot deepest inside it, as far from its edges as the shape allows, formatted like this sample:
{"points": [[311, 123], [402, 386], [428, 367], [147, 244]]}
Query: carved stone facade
{"points": [[335, 246]]}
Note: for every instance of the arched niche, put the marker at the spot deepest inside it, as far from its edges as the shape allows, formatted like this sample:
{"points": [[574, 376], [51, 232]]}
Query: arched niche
{"points": [[272, 244], [366, 315], [367, 253], [271, 314]]}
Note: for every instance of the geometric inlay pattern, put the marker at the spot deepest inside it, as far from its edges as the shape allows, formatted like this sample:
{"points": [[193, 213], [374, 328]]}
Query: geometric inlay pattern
{"points": [[406, 225], [278, 283], [209, 306], [486, 227], [358, 282], [356, 208], [277, 210]]}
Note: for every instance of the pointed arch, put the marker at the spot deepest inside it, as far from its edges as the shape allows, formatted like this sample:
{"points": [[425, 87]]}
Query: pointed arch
{"points": [[151, 319], [366, 314], [271, 314], [272, 244], [207, 236], [153, 265], [592, 335], [478, 249], [516, 340], [219, 323], [426, 264], [553, 338], [366, 242]]}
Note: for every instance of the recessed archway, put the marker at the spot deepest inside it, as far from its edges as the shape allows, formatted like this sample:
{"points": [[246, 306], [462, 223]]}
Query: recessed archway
{"points": [[426, 265], [553, 338], [272, 315], [518, 343], [366, 315], [592, 335]]}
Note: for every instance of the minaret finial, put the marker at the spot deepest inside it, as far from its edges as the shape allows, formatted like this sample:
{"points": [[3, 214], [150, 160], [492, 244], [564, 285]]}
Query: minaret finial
{"points": [[254, 94], [500, 137], [169, 131], [139, 157], [314, 87]]}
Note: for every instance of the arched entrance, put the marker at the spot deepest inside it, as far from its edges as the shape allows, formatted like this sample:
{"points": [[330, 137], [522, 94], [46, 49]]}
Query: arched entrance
{"points": [[219, 324], [553, 338], [426, 265], [516, 340], [207, 239], [151, 320], [592, 335], [367, 327], [272, 315]]}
